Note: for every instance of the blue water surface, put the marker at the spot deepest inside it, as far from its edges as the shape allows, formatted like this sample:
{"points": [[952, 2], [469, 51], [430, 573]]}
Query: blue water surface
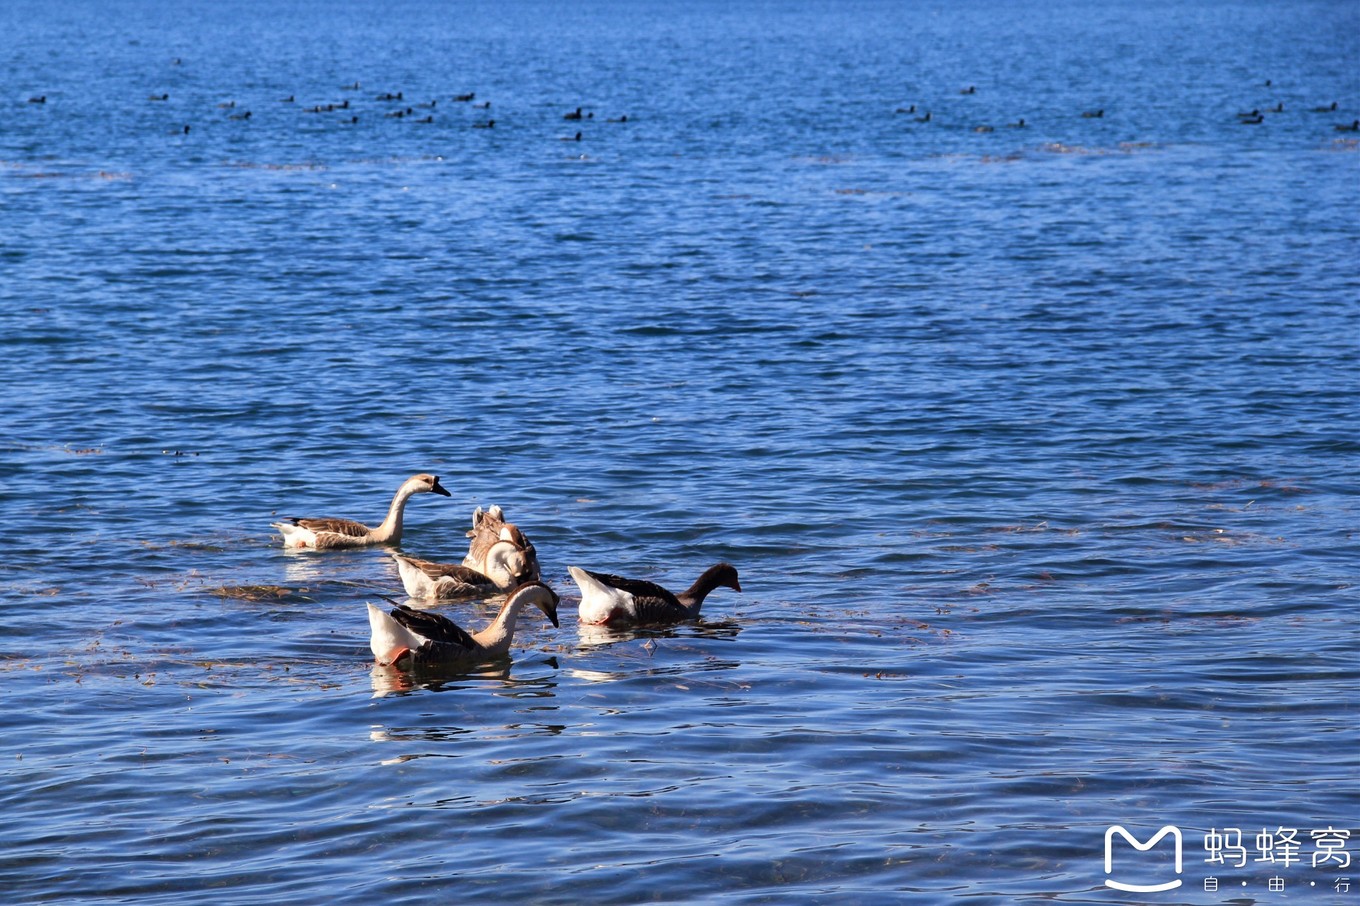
{"points": [[1035, 447]]}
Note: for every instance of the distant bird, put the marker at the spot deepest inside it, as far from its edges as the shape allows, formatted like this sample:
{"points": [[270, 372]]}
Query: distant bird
{"points": [[465, 97], [618, 119], [911, 109], [226, 105], [328, 533], [1250, 114], [426, 119], [571, 138], [1251, 120], [353, 86], [574, 115], [971, 89], [407, 638], [489, 124], [429, 104], [287, 100], [924, 119], [186, 128], [1018, 124], [484, 105], [389, 96], [1352, 127], [40, 99], [1278, 108], [614, 599], [240, 116], [158, 97], [983, 129], [1094, 114], [1325, 109]]}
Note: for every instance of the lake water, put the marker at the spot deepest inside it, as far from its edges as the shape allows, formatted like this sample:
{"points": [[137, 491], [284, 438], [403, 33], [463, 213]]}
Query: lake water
{"points": [[1035, 448]]}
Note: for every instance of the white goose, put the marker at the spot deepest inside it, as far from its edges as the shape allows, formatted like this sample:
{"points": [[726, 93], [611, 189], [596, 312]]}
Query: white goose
{"points": [[507, 566], [407, 638], [327, 534], [614, 599], [489, 532]]}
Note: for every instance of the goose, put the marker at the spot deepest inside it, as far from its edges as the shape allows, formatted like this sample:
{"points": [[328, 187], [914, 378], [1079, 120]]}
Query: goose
{"points": [[924, 119], [983, 129], [1094, 114], [507, 567], [1353, 126], [489, 124], [1328, 109], [1256, 120], [408, 638], [614, 599], [495, 541], [1018, 124], [324, 534], [574, 115], [911, 109], [971, 89], [464, 98]]}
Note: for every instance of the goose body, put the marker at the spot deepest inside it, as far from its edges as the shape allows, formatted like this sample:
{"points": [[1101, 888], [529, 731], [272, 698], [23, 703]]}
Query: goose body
{"points": [[408, 638], [495, 542], [328, 533], [608, 599], [428, 579]]}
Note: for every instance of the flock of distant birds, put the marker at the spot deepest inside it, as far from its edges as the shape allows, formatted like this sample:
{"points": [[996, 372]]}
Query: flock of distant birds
{"points": [[423, 111], [413, 111], [1248, 118], [500, 559]]}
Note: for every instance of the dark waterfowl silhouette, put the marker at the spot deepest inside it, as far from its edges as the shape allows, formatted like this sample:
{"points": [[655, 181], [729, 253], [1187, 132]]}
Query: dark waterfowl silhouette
{"points": [[1250, 120], [1330, 109], [489, 124], [574, 115], [465, 97], [1094, 114], [158, 97], [1018, 124], [971, 89], [1348, 127], [924, 119], [911, 109]]}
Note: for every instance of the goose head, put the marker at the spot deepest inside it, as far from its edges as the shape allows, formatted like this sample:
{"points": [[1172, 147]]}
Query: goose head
{"points": [[508, 564], [430, 483], [539, 595]]}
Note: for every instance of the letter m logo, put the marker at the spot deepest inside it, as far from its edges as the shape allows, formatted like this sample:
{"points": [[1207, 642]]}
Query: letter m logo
{"points": [[1141, 847]]}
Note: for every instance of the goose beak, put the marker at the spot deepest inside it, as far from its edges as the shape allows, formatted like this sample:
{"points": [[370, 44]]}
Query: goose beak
{"points": [[549, 607], [439, 488]]}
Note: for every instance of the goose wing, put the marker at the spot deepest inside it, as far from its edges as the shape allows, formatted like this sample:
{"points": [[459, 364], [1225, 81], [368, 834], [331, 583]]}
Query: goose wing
{"points": [[347, 527], [455, 571], [434, 626]]}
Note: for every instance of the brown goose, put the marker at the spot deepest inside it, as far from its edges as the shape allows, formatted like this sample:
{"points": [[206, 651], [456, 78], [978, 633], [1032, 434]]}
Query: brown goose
{"points": [[407, 638], [614, 599], [327, 534], [491, 534], [507, 567]]}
